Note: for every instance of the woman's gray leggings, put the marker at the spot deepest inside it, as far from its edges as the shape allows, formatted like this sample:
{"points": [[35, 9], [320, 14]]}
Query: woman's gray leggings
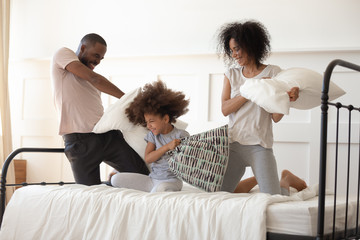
{"points": [[262, 162]]}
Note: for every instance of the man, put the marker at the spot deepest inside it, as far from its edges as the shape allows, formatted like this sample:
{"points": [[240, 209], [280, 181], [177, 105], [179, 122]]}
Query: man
{"points": [[77, 90]]}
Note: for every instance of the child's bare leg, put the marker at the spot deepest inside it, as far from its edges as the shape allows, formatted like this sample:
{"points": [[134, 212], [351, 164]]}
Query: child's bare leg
{"points": [[288, 179], [244, 186]]}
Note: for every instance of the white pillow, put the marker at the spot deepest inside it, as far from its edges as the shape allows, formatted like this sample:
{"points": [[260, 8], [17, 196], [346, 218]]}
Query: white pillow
{"points": [[114, 118], [271, 94], [135, 138]]}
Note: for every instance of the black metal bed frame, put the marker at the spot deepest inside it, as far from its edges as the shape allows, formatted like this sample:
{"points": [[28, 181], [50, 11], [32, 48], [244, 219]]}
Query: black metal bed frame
{"points": [[5, 167], [346, 234], [323, 151]]}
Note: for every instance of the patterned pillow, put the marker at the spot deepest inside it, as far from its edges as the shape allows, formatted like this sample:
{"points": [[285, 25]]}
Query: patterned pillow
{"points": [[201, 159]]}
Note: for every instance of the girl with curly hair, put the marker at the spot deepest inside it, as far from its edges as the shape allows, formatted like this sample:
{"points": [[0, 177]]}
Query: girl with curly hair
{"points": [[157, 108], [250, 126]]}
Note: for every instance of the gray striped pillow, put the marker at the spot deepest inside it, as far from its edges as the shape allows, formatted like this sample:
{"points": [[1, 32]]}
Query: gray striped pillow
{"points": [[201, 159]]}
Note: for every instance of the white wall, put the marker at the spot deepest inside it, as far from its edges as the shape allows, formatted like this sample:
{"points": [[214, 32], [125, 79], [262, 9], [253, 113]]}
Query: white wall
{"points": [[174, 41], [168, 27]]}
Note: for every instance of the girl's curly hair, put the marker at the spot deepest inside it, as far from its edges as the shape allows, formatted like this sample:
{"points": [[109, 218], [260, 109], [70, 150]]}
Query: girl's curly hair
{"points": [[251, 36], [156, 98]]}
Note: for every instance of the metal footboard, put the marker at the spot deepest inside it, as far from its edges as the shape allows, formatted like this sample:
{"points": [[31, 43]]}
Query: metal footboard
{"points": [[323, 150], [5, 169]]}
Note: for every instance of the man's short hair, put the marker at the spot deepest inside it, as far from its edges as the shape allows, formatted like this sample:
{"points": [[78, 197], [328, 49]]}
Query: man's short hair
{"points": [[93, 38]]}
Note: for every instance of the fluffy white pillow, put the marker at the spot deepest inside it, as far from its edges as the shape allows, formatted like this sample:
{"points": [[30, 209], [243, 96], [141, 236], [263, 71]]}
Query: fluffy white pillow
{"points": [[114, 118], [271, 94], [135, 138]]}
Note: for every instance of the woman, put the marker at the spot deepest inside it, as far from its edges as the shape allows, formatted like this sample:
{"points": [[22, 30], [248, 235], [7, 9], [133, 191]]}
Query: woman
{"points": [[250, 126]]}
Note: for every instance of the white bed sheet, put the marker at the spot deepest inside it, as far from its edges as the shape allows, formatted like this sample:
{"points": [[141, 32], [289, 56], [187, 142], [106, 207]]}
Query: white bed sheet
{"points": [[102, 212]]}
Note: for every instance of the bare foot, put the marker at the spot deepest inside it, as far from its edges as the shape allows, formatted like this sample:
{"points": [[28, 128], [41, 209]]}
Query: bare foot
{"points": [[288, 179], [112, 174]]}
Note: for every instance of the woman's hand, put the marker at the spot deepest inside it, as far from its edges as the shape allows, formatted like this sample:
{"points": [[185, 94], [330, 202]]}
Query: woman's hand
{"points": [[293, 94]]}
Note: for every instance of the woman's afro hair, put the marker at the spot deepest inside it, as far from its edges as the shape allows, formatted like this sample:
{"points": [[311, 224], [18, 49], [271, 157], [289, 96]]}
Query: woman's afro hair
{"points": [[156, 98], [251, 36]]}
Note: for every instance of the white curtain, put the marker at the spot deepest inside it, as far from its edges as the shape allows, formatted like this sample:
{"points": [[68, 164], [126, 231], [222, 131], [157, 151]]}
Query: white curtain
{"points": [[5, 140]]}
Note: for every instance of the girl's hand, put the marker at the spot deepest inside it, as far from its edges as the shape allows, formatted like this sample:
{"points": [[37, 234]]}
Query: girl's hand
{"points": [[173, 144], [293, 94]]}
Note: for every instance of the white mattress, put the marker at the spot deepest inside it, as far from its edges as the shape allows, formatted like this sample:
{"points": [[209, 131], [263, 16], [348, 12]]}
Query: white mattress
{"points": [[102, 212], [300, 217]]}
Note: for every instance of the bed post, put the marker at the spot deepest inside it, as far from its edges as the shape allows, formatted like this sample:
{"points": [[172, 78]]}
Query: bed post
{"points": [[323, 143], [3, 182]]}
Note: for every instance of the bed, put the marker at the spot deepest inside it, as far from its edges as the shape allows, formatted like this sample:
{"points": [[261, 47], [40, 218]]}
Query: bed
{"points": [[73, 211]]}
